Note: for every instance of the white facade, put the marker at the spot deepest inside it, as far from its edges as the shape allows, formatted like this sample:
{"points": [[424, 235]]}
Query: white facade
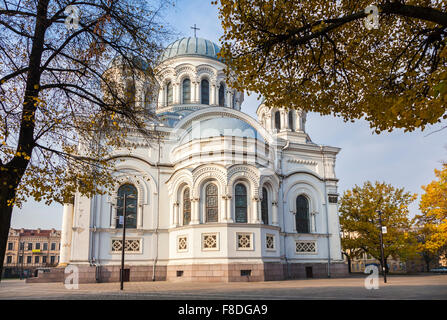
{"points": [[205, 144]]}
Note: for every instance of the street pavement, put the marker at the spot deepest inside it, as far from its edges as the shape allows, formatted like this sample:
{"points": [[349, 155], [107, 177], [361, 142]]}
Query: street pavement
{"points": [[400, 287]]}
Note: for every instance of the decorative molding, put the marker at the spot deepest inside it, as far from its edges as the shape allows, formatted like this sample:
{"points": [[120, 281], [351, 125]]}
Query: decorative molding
{"points": [[301, 161]]}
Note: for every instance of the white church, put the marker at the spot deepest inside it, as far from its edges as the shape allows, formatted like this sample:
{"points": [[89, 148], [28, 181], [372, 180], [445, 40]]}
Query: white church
{"points": [[220, 196]]}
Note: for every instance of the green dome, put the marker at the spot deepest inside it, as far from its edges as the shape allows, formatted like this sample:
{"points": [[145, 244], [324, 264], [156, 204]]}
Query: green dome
{"points": [[190, 47]]}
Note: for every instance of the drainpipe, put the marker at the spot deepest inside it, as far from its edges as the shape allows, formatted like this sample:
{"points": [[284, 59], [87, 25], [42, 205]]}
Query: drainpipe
{"points": [[327, 216], [282, 205], [158, 210]]}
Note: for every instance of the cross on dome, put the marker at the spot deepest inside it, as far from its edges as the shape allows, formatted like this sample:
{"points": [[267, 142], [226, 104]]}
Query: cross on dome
{"points": [[195, 29]]}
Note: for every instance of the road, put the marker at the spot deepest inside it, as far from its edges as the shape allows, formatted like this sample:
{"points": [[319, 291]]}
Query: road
{"points": [[408, 287]]}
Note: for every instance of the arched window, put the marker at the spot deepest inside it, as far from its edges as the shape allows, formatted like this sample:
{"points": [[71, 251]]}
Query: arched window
{"points": [[222, 95], [265, 207], [302, 214], [130, 92], [169, 93], [186, 91], [240, 203], [205, 91], [186, 207], [277, 120], [291, 124], [127, 200], [211, 206]]}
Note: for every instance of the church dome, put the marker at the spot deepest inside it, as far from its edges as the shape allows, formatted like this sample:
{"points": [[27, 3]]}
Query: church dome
{"points": [[191, 46], [215, 127]]}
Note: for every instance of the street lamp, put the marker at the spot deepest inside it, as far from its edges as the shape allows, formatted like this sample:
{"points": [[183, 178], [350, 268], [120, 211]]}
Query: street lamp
{"points": [[123, 246], [381, 246]]}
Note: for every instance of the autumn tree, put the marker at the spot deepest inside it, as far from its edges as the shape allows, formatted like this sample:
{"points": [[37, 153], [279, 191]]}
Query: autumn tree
{"points": [[319, 56], [359, 220], [432, 222], [59, 113]]}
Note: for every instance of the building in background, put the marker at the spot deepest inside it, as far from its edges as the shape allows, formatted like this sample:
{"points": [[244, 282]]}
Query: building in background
{"points": [[29, 249]]}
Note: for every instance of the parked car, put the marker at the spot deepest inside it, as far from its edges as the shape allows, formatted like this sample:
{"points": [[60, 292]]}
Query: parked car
{"points": [[439, 270]]}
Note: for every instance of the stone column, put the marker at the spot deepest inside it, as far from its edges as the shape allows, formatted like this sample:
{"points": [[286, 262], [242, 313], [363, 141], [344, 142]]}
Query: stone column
{"points": [[268, 125], [198, 97], [255, 207], [161, 98], [195, 210], [114, 217], [176, 93], [212, 94], [66, 235], [298, 122], [229, 218], [140, 216], [283, 120], [228, 99], [275, 221], [216, 94], [312, 222], [223, 214], [176, 214]]}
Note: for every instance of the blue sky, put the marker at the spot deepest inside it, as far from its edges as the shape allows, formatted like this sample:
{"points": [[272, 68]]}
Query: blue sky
{"points": [[402, 159]]}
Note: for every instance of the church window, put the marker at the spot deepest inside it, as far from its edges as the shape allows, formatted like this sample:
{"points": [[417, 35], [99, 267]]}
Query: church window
{"points": [[186, 207], [302, 214], [277, 120], [129, 193], [169, 93], [241, 203], [130, 92], [131, 245], [211, 206], [291, 124], [186, 91], [210, 241], [205, 91], [270, 242], [305, 247], [222, 95], [182, 243], [264, 207], [244, 241]]}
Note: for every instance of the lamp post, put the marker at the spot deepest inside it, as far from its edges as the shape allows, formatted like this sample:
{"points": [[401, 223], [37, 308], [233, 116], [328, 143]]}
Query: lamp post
{"points": [[123, 246], [382, 258]]}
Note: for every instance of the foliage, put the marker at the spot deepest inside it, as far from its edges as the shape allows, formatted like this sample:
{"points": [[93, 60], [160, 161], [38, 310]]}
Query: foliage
{"points": [[359, 220], [318, 56], [432, 223], [58, 98]]}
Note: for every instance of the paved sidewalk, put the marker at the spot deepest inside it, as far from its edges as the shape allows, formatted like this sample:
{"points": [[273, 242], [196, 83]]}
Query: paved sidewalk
{"points": [[398, 287]]}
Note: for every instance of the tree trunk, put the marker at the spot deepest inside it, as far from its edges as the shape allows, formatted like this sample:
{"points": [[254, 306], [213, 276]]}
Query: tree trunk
{"points": [[13, 171], [5, 222]]}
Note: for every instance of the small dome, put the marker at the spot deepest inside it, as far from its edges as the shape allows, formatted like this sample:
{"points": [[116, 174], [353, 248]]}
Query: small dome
{"points": [[129, 60], [190, 47]]}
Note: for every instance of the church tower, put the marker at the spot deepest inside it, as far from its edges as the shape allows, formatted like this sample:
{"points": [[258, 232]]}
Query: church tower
{"points": [[288, 124]]}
